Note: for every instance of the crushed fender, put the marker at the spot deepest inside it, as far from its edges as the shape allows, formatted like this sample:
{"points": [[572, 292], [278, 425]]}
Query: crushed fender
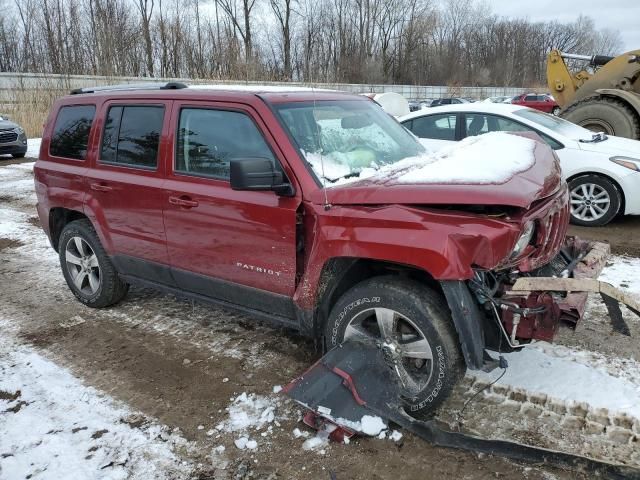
{"points": [[353, 381]]}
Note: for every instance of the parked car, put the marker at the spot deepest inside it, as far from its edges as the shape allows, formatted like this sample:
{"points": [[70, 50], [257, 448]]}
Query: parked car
{"points": [[499, 99], [448, 101], [543, 102], [249, 198], [602, 171], [416, 105], [13, 140]]}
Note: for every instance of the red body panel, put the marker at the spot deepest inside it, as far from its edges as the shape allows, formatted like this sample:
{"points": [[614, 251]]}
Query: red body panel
{"points": [[280, 244]]}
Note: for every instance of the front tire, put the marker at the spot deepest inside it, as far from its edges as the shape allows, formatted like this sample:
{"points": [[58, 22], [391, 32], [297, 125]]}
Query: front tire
{"points": [[87, 268], [18, 155], [412, 324], [594, 200]]}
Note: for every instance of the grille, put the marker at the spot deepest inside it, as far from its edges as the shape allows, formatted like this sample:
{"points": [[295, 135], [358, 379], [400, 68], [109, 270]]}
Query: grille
{"points": [[8, 136]]}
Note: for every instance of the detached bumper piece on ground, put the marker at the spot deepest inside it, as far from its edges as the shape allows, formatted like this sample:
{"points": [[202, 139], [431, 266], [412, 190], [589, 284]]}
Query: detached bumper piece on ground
{"points": [[353, 381]]}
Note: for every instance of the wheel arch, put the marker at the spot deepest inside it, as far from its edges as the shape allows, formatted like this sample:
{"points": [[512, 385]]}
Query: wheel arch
{"points": [[631, 99], [59, 217], [342, 273], [615, 183]]}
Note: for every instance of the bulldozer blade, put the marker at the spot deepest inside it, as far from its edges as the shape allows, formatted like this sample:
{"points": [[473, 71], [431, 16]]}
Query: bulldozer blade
{"points": [[354, 380]]}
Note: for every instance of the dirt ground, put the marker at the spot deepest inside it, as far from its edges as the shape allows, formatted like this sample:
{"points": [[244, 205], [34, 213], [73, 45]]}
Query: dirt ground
{"points": [[181, 363]]}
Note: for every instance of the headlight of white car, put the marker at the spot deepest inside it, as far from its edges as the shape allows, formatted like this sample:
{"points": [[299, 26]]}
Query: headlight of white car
{"points": [[627, 162], [524, 240]]}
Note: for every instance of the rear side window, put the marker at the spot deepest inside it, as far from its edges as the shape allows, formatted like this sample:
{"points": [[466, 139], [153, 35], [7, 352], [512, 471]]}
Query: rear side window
{"points": [[132, 135], [439, 127], [70, 137], [208, 139]]}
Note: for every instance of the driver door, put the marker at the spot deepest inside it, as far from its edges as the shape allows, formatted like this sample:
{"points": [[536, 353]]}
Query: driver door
{"points": [[235, 246]]}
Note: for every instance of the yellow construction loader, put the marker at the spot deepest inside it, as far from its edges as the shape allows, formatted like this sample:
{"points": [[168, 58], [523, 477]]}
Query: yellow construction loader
{"points": [[601, 94]]}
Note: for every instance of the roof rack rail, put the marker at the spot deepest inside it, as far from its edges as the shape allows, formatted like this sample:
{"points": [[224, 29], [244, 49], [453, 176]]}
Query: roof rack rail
{"points": [[130, 86]]}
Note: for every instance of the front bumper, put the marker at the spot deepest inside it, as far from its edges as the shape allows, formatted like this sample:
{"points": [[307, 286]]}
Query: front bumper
{"points": [[534, 306], [15, 147]]}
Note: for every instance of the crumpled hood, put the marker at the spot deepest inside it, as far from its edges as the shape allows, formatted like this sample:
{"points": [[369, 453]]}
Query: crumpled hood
{"points": [[541, 180], [614, 146]]}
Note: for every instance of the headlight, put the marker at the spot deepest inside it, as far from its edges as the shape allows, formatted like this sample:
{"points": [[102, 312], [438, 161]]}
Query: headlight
{"points": [[627, 162], [524, 240], [19, 130]]}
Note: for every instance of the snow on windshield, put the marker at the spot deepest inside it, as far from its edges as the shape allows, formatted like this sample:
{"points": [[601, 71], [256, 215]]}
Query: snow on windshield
{"points": [[493, 158]]}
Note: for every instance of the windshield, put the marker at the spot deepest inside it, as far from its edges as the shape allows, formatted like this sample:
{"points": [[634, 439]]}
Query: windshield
{"points": [[558, 125], [341, 139]]}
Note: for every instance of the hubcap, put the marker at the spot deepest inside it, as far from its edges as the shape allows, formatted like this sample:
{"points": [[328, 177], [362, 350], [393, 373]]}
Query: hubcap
{"points": [[404, 346], [589, 202], [598, 125], [82, 265]]}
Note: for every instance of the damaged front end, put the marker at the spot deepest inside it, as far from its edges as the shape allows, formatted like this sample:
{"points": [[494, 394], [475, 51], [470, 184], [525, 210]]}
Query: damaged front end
{"points": [[531, 305]]}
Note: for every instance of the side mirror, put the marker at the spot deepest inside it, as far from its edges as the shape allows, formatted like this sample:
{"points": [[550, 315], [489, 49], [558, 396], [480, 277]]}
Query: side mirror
{"points": [[257, 173]]}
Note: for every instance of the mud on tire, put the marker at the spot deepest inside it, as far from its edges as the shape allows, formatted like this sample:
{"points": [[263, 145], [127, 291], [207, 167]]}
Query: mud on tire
{"points": [[111, 288], [419, 310]]}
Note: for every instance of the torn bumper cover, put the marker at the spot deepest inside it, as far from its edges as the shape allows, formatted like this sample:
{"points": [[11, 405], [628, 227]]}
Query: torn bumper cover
{"points": [[570, 289], [531, 306], [353, 381]]}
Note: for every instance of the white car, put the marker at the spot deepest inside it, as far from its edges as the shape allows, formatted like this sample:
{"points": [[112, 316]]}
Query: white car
{"points": [[603, 172]]}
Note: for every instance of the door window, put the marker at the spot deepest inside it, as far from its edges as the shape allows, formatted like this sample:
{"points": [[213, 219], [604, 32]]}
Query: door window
{"points": [[494, 123], [70, 137], [439, 127], [132, 135], [208, 139]]}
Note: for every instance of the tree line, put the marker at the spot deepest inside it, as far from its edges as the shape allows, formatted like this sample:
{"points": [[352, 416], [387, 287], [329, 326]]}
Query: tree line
{"points": [[421, 42]]}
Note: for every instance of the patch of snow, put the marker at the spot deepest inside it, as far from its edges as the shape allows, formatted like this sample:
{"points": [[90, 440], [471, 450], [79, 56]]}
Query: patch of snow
{"points": [[33, 147], [277, 389], [493, 158], [395, 436], [535, 371], [55, 427], [372, 425], [623, 272], [249, 412], [297, 433], [241, 442]]}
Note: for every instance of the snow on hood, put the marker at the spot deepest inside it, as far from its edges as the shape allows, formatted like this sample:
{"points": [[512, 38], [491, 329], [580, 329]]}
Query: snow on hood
{"points": [[466, 162], [7, 124], [493, 158]]}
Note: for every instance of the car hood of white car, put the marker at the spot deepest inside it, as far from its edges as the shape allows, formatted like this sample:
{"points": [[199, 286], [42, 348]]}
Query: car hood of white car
{"points": [[614, 146]]}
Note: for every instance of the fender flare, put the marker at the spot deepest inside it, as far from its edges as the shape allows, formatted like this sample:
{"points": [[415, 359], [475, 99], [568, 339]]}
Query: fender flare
{"points": [[467, 320]]}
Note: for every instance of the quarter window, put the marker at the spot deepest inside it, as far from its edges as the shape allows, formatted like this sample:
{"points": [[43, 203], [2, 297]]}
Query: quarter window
{"points": [[207, 140], [132, 135], [70, 137]]}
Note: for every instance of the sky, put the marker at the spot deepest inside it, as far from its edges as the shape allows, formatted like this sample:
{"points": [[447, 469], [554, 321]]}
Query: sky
{"points": [[622, 15]]}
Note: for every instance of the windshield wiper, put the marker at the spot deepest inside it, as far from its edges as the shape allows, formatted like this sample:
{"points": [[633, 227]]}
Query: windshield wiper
{"points": [[348, 175], [595, 138]]}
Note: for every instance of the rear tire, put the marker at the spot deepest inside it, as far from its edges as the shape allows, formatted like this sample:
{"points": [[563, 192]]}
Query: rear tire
{"points": [[556, 111], [604, 114], [594, 200], [421, 338], [87, 268]]}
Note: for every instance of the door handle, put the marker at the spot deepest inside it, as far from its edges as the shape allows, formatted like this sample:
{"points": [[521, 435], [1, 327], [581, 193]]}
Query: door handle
{"points": [[100, 187], [184, 202]]}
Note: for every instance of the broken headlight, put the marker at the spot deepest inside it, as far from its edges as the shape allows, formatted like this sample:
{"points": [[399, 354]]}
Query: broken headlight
{"points": [[524, 240]]}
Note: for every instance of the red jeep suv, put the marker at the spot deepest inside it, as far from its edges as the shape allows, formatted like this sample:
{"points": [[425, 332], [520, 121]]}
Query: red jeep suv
{"points": [[263, 200]]}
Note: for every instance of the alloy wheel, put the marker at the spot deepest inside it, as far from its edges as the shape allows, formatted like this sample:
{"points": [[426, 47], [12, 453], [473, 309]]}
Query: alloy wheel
{"points": [[589, 202], [82, 265], [405, 347]]}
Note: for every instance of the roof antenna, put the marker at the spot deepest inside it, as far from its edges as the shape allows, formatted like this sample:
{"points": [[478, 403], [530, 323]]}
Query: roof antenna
{"points": [[327, 205]]}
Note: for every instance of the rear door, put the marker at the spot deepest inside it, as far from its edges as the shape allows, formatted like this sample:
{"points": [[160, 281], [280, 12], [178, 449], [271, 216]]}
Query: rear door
{"points": [[125, 191], [235, 246]]}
